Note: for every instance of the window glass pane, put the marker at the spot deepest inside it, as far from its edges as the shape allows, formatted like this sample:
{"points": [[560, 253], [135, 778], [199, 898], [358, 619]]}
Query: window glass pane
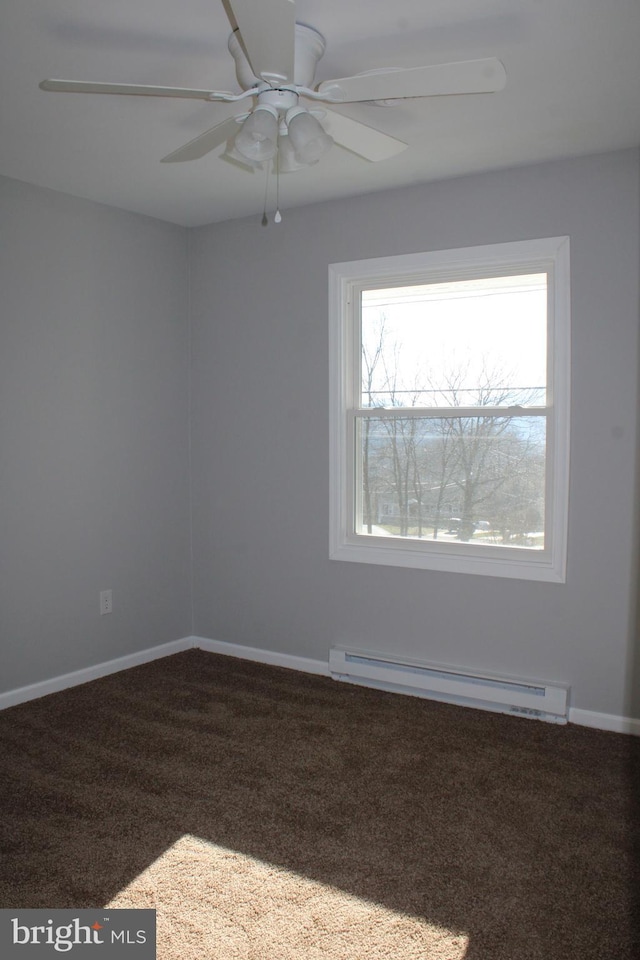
{"points": [[477, 480], [463, 343]]}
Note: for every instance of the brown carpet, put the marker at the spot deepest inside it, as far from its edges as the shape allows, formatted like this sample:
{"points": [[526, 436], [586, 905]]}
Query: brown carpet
{"points": [[270, 814]]}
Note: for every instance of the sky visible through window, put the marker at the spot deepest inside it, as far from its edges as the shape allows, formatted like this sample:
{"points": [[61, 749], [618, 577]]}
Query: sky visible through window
{"points": [[461, 343]]}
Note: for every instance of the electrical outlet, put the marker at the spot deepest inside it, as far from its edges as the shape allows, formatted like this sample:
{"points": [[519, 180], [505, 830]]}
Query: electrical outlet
{"points": [[106, 602]]}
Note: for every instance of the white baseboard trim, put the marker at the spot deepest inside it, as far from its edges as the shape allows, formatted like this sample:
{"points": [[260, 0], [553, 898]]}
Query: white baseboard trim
{"points": [[585, 718], [35, 690], [274, 659], [604, 721], [66, 680]]}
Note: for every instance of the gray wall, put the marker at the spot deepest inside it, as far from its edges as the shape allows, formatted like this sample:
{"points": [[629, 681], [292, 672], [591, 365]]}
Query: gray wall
{"points": [[94, 434], [94, 489], [260, 434]]}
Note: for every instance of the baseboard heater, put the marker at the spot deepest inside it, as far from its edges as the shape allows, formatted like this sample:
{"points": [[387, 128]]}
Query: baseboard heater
{"points": [[527, 698]]}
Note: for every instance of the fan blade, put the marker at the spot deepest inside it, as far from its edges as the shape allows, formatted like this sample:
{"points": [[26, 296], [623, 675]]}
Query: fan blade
{"points": [[267, 29], [134, 90], [203, 144], [444, 79], [359, 138]]}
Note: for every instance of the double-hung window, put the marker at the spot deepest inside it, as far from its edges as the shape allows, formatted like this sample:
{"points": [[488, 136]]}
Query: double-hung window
{"points": [[450, 410]]}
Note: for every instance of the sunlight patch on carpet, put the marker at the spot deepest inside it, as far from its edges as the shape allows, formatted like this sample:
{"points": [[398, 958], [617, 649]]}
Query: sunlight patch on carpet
{"points": [[218, 904]]}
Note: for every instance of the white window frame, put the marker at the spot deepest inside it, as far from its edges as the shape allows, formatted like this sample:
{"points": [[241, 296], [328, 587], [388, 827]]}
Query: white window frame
{"points": [[346, 281]]}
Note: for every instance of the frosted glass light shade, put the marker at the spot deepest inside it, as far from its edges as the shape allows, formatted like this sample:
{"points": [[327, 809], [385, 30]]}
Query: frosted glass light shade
{"points": [[308, 139], [258, 136]]}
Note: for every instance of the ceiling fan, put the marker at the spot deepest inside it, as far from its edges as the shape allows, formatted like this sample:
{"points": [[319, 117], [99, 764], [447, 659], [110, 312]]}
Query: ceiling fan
{"points": [[275, 60]]}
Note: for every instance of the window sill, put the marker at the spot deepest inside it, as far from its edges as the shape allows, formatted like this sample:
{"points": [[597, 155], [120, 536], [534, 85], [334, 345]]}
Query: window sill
{"points": [[521, 564]]}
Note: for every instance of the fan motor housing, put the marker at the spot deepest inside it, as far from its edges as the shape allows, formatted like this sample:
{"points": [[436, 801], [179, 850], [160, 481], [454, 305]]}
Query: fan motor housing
{"points": [[309, 47]]}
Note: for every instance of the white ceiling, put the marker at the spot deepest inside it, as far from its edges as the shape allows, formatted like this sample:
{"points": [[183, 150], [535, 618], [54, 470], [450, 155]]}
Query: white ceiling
{"points": [[573, 87]]}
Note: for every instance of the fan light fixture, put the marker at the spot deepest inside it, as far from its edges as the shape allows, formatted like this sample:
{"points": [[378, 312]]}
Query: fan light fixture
{"points": [[302, 143]]}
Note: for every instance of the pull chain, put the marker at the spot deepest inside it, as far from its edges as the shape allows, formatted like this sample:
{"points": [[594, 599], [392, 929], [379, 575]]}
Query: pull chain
{"points": [[278, 216], [265, 219]]}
